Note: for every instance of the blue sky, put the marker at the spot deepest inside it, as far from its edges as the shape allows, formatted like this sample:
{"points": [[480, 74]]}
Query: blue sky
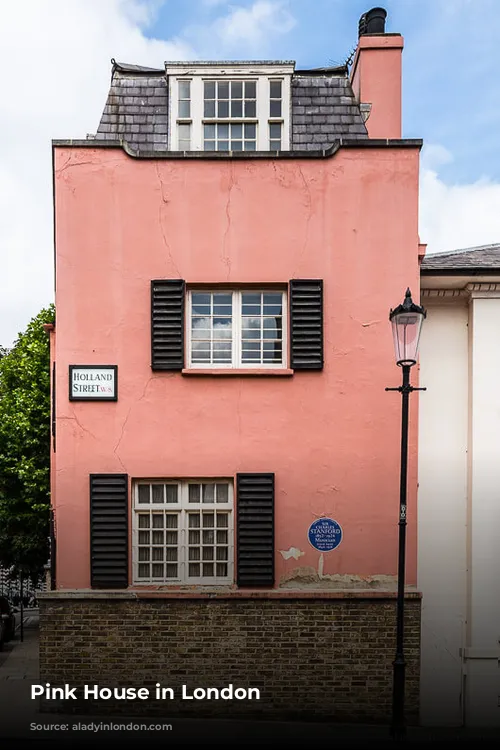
{"points": [[451, 82], [57, 54]]}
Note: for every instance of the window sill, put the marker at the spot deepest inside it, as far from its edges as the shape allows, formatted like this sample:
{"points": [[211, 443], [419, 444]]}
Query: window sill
{"points": [[258, 371]]}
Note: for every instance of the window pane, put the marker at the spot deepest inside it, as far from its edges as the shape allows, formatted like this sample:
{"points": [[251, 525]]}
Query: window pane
{"points": [[194, 570], [209, 133], [221, 570], [221, 537], [144, 521], [222, 553], [194, 537], [275, 108], [223, 90], [222, 493], [236, 130], [275, 89], [171, 519], [223, 131], [275, 129], [194, 493], [144, 537], [208, 553], [171, 570], [222, 520], [250, 90], [158, 536], [208, 570], [171, 554], [184, 131], [208, 537], [249, 146], [184, 89], [250, 130], [223, 146], [275, 145], [170, 537], [208, 520], [200, 328], [171, 493], [144, 493], [250, 109], [194, 521], [157, 493], [158, 520], [209, 145], [236, 146], [209, 89], [249, 298], [209, 493], [237, 109], [144, 553], [209, 109], [223, 109], [236, 89], [143, 571], [194, 553], [184, 109], [222, 328], [184, 145], [158, 553], [271, 329]]}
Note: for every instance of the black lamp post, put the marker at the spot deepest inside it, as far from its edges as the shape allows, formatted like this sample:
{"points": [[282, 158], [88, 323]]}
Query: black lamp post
{"points": [[406, 322]]}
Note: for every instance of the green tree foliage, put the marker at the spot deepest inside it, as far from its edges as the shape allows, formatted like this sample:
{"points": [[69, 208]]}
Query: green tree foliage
{"points": [[25, 449]]}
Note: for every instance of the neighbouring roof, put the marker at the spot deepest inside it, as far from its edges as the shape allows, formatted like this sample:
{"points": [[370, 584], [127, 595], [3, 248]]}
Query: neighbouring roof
{"points": [[479, 259], [323, 108]]}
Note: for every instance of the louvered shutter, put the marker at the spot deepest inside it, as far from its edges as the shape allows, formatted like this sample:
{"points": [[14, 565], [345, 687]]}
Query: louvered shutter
{"points": [[306, 324], [167, 324], [255, 529], [109, 531]]}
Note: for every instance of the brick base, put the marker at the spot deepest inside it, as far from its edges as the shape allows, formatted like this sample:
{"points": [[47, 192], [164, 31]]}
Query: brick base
{"points": [[322, 658]]}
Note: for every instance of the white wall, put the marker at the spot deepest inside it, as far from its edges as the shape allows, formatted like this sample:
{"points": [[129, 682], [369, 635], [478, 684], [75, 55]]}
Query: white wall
{"points": [[442, 508], [483, 666]]}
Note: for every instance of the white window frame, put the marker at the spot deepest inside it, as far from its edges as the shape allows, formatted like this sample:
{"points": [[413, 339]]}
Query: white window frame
{"points": [[182, 508], [236, 349], [197, 74]]}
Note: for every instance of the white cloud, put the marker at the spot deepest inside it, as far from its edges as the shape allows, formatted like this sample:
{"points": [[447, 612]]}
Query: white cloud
{"points": [[243, 29], [251, 24], [455, 216], [55, 57]]}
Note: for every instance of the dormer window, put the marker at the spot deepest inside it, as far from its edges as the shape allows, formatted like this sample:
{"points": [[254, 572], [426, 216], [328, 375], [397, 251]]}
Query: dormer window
{"points": [[229, 107]]}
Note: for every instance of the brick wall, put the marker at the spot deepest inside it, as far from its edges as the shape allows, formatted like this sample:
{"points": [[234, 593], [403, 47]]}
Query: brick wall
{"points": [[309, 657]]}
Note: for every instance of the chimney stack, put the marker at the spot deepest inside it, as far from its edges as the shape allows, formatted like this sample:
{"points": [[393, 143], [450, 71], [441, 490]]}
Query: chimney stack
{"points": [[376, 75]]}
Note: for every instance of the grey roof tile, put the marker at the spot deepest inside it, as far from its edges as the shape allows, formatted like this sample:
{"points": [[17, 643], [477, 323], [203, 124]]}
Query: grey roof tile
{"points": [[484, 257]]}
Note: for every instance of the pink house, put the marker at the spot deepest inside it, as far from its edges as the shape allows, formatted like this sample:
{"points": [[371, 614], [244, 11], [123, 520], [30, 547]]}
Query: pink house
{"points": [[227, 249]]}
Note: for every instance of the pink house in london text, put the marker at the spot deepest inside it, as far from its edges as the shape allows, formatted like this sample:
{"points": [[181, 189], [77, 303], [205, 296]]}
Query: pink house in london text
{"points": [[228, 245]]}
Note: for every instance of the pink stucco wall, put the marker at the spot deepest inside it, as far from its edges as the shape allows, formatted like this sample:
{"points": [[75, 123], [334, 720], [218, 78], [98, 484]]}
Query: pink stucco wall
{"points": [[331, 437], [376, 80]]}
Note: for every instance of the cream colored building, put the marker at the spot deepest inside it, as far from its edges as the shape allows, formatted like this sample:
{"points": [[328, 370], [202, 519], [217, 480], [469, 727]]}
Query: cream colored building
{"points": [[459, 488]]}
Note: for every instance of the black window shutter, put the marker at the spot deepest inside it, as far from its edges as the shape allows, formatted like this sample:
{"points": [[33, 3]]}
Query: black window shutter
{"points": [[255, 529], [306, 324], [109, 531], [167, 324]]}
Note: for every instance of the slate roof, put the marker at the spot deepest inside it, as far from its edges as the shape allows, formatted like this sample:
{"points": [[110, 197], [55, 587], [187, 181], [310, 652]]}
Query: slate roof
{"points": [[323, 108], [479, 259]]}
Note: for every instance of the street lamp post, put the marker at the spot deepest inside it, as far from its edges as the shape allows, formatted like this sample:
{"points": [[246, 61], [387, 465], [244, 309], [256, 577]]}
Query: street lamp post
{"points": [[406, 321]]}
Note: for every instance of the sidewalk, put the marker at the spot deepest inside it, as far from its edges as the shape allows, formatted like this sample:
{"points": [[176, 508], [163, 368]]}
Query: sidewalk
{"points": [[20, 718]]}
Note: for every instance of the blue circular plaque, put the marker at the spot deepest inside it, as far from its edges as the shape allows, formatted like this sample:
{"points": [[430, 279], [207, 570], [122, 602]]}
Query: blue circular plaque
{"points": [[325, 534]]}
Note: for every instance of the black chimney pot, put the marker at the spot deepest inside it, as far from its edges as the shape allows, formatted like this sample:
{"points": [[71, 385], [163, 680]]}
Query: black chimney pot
{"points": [[372, 22]]}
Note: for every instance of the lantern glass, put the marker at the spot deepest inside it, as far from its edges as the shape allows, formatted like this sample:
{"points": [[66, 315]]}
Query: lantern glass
{"points": [[406, 328]]}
